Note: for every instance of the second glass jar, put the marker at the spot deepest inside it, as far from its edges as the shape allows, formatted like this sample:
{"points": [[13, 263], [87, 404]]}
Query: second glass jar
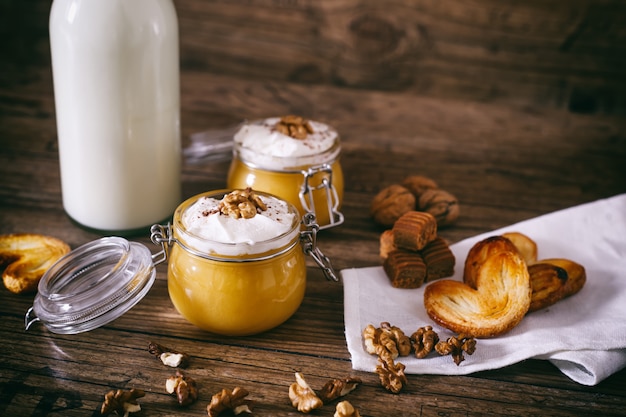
{"points": [[304, 170]]}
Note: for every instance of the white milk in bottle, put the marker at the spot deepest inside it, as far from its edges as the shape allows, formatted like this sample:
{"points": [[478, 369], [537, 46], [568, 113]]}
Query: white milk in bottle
{"points": [[117, 96]]}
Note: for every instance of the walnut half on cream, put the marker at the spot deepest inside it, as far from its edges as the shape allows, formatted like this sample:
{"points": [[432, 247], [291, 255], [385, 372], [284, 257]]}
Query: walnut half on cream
{"points": [[241, 204], [295, 126]]}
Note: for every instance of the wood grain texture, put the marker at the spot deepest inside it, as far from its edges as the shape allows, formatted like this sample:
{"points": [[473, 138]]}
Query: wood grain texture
{"points": [[564, 54], [413, 88]]}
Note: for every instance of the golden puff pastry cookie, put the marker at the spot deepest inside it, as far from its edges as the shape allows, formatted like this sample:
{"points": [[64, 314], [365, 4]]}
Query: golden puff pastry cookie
{"points": [[479, 253], [496, 302], [27, 257], [524, 244], [554, 279]]}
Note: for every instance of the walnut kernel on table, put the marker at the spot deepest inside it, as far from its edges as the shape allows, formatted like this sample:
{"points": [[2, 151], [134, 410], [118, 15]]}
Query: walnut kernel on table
{"points": [[121, 402], [183, 387], [167, 356], [234, 401], [345, 409], [391, 375], [337, 388], [302, 396]]}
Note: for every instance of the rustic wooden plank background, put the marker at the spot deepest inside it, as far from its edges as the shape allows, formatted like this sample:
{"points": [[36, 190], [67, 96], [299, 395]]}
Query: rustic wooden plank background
{"points": [[566, 54], [515, 107]]}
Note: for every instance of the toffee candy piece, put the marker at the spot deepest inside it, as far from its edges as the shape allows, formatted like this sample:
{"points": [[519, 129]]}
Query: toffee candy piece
{"points": [[405, 269], [439, 259], [414, 230]]}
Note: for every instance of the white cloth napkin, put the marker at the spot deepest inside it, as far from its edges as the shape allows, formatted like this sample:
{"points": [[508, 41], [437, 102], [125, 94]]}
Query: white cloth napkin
{"points": [[583, 335]]}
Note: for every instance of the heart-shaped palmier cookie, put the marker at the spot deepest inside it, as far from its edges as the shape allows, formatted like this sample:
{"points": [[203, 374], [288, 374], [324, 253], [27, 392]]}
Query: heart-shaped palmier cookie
{"points": [[497, 302]]}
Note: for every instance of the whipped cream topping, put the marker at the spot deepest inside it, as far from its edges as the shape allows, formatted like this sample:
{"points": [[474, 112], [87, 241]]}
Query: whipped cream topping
{"points": [[262, 144], [215, 233]]}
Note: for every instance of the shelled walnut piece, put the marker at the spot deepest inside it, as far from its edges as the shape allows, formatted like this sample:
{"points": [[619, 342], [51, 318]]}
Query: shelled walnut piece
{"points": [[391, 375], [234, 401], [295, 126], [345, 409], [302, 396], [379, 342], [167, 356], [455, 346], [306, 399], [337, 388], [423, 341], [241, 204], [184, 387], [121, 402], [415, 192], [27, 256]]}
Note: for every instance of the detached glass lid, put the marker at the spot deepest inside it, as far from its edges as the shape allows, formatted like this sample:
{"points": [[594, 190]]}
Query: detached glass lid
{"points": [[92, 285]]}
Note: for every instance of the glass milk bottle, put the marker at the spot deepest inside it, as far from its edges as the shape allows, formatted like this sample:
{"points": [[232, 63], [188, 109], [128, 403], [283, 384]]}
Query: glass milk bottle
{"points": [[117, 96]]}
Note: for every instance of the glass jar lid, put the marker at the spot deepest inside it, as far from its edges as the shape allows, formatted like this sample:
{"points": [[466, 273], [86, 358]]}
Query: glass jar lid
{"points": [[92, 285]]}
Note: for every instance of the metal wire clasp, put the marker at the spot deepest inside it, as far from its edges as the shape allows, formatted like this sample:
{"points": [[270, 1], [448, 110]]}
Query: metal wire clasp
{"points": [[332, 199], [308, 238], [161, 235]]}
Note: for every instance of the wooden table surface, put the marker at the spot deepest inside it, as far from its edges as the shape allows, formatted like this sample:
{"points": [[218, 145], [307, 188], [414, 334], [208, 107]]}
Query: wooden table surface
{"points": [[505, 164]]}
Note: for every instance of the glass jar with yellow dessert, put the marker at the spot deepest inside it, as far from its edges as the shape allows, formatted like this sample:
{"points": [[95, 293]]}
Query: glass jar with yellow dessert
{"points": [[236, 266], [236, 260], [295, 159]]}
